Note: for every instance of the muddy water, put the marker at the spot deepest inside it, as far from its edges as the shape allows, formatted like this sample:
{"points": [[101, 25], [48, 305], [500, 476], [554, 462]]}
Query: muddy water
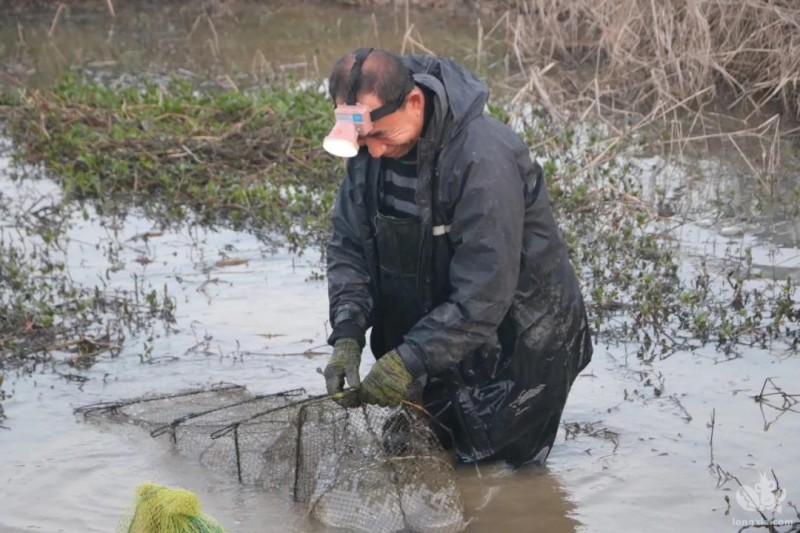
{"points": [[638, 460], [252, 322], [631, 460]]}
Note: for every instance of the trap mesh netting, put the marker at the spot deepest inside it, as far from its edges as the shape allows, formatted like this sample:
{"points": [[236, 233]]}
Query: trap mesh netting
{"points": [[366, 468]]}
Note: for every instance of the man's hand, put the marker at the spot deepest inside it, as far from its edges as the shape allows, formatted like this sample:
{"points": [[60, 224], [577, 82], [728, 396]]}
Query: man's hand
{"points": [[344, 363], [387, 383]]}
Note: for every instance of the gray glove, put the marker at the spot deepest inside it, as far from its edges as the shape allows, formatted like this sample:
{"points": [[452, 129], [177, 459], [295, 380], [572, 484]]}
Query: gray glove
{"points": [[344, 363]]}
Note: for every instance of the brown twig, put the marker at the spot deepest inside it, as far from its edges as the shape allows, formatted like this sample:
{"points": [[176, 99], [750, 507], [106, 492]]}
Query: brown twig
{"points": [[56, 18], [711, 439]]}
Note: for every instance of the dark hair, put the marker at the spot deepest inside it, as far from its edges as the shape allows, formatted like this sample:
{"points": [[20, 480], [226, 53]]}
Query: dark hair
{"points": [[382, 73]]}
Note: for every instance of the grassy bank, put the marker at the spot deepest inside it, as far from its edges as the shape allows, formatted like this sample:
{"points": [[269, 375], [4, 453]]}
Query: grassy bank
{"points": [[246, 159]]}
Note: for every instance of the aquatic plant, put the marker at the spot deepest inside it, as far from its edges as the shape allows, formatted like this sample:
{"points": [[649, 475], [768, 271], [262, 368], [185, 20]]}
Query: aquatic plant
{"points": [[640, 286], [246, 159], [43, 311]]}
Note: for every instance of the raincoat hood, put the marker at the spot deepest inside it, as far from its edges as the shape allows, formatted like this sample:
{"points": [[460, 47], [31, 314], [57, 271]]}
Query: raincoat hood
{"points": [[464, 94]]}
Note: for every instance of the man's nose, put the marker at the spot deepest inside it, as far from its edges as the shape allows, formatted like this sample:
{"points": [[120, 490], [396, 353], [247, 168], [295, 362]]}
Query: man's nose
{"points": [[376, 148]]}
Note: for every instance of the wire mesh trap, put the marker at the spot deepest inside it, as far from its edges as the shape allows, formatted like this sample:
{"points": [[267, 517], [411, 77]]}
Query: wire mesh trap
{"points": [[360, 469]]}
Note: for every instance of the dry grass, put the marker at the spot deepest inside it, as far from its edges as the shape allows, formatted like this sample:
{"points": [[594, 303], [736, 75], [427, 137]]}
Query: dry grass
{"points": [[659, 56], [691, 76]]}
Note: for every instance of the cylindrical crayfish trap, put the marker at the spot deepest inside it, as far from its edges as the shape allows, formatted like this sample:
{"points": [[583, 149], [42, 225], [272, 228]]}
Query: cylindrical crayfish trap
{"points": [[365, 469]]}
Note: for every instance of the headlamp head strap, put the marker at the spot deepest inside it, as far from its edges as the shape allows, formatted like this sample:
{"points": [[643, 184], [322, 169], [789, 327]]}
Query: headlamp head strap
{"points": [[355, 85], [355, 74], [393, 105]]}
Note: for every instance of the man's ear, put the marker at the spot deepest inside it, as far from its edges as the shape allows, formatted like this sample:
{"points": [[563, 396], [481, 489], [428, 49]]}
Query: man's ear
{"points": [[416, 99]]}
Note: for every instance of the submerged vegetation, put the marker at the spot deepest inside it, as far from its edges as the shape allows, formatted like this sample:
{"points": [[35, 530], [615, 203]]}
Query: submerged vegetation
{"points": [[640, 286], [43, 311]]}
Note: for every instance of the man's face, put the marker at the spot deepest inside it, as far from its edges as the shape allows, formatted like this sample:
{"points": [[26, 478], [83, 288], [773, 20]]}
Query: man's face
{"points": [[395, 134]]}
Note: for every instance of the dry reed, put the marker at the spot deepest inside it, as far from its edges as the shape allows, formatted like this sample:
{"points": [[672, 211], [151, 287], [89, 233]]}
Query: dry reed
{"points": [[678, 71], [658, 55]]}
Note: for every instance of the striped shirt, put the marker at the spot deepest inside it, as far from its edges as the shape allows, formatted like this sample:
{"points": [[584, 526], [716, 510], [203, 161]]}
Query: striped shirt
{"points": [[399, 186], [398, 177]]}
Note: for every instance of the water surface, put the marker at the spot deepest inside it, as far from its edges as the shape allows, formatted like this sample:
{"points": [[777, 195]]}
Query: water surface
{"points": [[632, 457]]}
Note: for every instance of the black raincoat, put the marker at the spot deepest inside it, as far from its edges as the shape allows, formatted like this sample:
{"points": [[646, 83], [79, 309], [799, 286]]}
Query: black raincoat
{"points": [[485, 309]]}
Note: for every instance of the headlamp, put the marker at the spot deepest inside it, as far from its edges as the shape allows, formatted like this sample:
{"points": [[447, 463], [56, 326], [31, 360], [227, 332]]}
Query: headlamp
{"points": [[354, 119], [351, 121]]}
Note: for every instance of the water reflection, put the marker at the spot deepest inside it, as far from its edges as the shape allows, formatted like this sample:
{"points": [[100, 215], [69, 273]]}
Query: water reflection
{"points": [[493, 496], [246, 42]]}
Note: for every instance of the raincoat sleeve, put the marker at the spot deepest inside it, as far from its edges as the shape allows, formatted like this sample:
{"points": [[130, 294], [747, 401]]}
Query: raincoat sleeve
{"points": [[347, 268], [486, 234]]}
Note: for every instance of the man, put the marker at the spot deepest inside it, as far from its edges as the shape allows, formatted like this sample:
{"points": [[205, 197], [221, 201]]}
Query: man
{"points": [[444, 244]]}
